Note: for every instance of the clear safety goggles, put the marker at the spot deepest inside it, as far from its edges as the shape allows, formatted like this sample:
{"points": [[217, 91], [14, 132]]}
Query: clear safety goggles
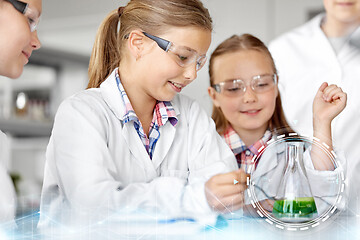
{"points": [[32, 15], [182, 55], [237, 87]]}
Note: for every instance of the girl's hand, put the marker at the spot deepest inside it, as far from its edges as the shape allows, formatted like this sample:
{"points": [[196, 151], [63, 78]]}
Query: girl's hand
{"points": [[223, 193], [267, 205], [329, 101]]}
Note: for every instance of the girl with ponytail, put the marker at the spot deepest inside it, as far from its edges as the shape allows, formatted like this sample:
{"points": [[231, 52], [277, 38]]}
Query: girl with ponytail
{"points": [[131, 140]]}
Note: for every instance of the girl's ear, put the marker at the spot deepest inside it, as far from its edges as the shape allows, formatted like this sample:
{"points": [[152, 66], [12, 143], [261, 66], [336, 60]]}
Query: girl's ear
{"points": [[213, 95], [136, 43]]}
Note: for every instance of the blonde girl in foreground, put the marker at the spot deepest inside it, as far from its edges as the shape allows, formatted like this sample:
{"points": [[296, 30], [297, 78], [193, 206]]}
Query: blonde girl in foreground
{"points": [[131, 141]]}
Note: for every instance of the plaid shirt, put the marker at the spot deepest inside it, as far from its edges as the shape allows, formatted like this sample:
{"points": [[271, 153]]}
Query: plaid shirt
{"points": [[163, 112], [244, 154]]}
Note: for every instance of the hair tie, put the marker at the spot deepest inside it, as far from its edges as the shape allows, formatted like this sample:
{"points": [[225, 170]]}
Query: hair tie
{"points": [[120, 11]]}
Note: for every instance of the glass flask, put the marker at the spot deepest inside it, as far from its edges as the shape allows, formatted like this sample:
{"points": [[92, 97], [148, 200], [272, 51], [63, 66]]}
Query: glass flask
{"points": [[294, 201]]}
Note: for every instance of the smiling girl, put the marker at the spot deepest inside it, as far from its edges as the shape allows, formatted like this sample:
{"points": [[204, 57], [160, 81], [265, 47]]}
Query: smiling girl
{"points": [[247, 106], [18, 38], [131, 141], [18, 20]]}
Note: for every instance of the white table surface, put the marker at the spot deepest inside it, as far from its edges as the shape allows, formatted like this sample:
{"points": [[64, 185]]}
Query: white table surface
{"points": [[339, 228]]}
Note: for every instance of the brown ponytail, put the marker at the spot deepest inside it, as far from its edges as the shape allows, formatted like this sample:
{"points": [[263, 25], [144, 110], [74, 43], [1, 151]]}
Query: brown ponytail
{"points": [[106, 53]]}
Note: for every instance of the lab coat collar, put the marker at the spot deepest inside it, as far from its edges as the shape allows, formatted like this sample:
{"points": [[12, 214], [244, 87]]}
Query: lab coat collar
{"points": [[323, 49], [319, 36], [354, 37], [164, 143], [316, 22], [138, 150], [347, 50], [353, 46], [112, 97]]}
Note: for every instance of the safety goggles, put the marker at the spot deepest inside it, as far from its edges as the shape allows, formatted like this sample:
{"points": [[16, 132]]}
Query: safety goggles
{"points": [[237, 87], [182, 55], [32, 15]]}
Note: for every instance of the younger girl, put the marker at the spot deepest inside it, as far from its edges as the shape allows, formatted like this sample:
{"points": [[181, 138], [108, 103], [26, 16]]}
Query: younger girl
{"points": [[247, 107], [131, 141], [18, 38]]}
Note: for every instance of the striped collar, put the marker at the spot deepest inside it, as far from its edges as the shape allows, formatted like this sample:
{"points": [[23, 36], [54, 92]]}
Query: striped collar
{"points": [[163, 110], [238, 146]]}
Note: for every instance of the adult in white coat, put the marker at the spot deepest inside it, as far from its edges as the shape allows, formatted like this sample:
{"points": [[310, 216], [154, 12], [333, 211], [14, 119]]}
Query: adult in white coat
{"points": [[327, 48], [129, 142], [18, 20]]}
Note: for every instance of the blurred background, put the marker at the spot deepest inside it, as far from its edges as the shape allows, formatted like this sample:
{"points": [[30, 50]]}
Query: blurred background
{"points": [[59, 69]]}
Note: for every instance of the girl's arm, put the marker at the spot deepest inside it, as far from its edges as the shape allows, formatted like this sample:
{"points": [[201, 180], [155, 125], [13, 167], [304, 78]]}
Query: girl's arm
{"points": [[329, 101], [225, 192]]}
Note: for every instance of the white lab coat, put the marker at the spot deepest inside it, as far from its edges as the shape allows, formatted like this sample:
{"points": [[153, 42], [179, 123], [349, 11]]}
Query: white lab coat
{"points": [[7, 192], [325, 186], [94, 161], [305, 59]]}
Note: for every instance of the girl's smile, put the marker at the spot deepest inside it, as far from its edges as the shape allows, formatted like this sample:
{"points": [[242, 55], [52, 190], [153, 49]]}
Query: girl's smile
{"points": [[176, 86], [345, 4], [251, 112]]}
